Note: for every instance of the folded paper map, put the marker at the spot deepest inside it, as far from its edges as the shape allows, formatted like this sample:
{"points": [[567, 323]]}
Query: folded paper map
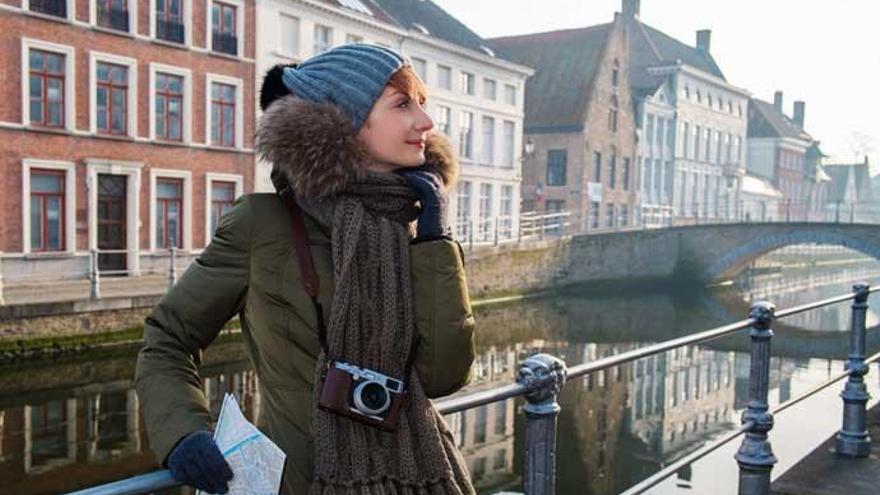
{"points": [[256, 462]]}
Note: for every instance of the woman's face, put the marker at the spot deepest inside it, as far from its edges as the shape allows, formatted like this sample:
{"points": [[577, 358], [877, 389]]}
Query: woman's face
{"points": [[395, 132]]}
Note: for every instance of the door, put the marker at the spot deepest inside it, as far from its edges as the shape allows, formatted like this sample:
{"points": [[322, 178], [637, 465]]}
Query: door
{"points": [[112, 192]]}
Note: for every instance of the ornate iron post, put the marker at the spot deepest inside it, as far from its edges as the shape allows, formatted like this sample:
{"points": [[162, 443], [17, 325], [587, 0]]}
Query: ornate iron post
{"points": [[755, 456], [852, 439], [543, 375]]}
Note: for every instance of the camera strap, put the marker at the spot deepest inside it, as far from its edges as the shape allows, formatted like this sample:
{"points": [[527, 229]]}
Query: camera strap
{"points": [[310, 276]]}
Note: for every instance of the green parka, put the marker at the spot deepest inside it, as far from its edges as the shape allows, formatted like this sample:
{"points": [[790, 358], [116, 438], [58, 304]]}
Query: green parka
{"points": [[250, 269]]}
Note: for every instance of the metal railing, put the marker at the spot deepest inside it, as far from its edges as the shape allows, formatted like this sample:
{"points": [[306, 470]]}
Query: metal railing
{"points": [[541, 378], [92, 270]]}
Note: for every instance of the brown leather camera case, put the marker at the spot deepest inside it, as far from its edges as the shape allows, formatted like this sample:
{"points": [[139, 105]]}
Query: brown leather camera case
{"points": [[335, 391]]}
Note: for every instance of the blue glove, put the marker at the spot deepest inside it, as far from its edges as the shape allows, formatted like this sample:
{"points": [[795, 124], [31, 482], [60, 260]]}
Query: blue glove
{"points": [[196, 461], [432, 221]]}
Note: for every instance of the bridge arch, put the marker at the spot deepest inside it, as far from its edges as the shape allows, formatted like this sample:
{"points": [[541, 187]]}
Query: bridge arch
{"points": [[737, 258]]}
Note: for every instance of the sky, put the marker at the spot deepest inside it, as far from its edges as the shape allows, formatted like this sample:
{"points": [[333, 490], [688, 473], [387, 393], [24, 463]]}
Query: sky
{"points": [[826, 53]]}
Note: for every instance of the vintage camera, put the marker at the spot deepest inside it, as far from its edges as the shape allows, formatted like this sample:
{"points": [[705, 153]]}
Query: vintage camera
{"points": [[362, 394]]}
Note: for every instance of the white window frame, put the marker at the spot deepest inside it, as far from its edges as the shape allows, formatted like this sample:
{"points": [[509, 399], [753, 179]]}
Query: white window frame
{"points": [[444, 69], [424, 64], [239, 108], [131, 104], [69, 169], [279, 37], [28, 44], [508, 159], [186, 74], [488, 82], [315, 27], [209, 179], [187, 22], [239, 26], [186, 217], [441, 110], [26, 6], [132, 170], [132, 16], [488, 155], [515, 96], [466, 76]]}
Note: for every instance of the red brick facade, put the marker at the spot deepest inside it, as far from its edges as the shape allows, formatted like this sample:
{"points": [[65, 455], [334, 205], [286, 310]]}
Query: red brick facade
{"points": [[20, 143]]}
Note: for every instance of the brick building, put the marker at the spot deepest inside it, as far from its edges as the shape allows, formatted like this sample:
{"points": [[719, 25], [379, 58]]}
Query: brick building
{"points": [[125, 127], [580, 120]]}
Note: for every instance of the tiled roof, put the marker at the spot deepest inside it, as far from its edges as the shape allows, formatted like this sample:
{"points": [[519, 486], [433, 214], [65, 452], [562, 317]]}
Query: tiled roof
{"points": [[565, 63], [765, 121], [440, 24], [651, 47]]}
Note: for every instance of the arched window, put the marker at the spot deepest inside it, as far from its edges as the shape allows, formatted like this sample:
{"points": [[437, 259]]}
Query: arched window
{"points": [[613, 111]]}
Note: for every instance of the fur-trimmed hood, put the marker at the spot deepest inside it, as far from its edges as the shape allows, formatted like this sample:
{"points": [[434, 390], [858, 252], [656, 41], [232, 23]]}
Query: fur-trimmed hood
{"points": [[314, 148]]}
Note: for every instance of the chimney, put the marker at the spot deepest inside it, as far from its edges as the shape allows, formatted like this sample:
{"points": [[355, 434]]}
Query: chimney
{"points": [[799, 113], [631, 8], [777, 101], [704, 39]]}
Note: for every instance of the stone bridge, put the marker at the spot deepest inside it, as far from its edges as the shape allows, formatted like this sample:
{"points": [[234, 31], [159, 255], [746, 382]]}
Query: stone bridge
{"points": [[705, 253]]}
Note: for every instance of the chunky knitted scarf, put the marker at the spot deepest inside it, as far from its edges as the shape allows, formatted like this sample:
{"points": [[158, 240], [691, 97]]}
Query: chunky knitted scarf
{"points": [[372, 324]]}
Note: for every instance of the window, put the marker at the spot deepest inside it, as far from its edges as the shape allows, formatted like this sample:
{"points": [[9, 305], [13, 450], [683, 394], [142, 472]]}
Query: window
{"points": [[556, 167], [223, 115], [463, 209], [112, 14], [485, 227], [444, 117], [46, 88], [111, 98], [444, 77], [687, 93], [488, 140], [698, 134], [505, 223], [670, 136], [612, 172], [169, 107], [169, 213], [609, 215], [510, 94], [728, 145], [509, 139], [47, 215], [224, 32], [625, 179], [623, 217], [699, 96], [222, 197], [597, 166], [717, 146], [490, 89], [612, 114], [615, 77], [708, 156], [685, 140], [169, 20], [466, 135], [420, 65], [288, 35], [353, 38], [738, 149], [468, 83], [709, 100], [649, 130], [55, 8], [660, 130], [594, 214]]}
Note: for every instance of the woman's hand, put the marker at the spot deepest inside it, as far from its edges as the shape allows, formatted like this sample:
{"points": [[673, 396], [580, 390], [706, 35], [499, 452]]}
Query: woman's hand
{"points": [[432, 222], [197, 462]]}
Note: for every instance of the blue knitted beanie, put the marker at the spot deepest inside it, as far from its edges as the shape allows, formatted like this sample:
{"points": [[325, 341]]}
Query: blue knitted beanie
{"points": [[350, 76]]}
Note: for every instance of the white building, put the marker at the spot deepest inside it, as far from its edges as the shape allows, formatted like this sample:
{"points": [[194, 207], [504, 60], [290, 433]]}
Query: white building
{"points": [[692, 125], [474, 97]]}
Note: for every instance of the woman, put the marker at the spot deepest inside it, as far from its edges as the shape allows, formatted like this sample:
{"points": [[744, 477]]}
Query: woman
{"points": [[350, 143]]}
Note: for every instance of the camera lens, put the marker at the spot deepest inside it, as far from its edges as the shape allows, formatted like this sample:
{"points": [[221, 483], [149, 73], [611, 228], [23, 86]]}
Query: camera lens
{"points": [[371, 397]]}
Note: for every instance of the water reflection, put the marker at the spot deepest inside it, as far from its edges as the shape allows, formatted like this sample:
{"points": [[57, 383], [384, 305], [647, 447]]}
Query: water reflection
{"points": [[75, 423]]}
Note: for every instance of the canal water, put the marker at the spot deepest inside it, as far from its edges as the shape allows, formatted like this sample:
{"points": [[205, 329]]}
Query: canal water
{"points": [[73, 422]]}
